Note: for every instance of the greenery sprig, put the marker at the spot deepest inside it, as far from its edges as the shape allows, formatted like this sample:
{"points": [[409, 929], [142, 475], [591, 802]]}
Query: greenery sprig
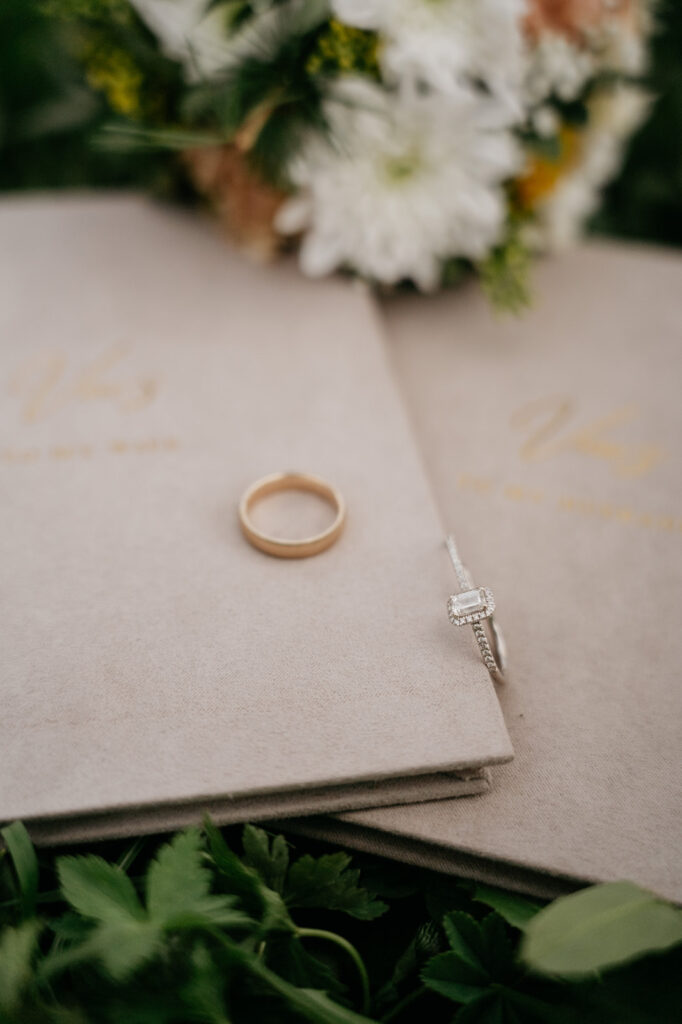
{"points": [[192, 930]]}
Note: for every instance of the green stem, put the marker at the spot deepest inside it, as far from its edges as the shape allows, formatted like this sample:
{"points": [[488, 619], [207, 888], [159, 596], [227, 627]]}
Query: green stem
{"points": [[45, 897], [320, 933], [396, 1010], [311, 1005], [126, 860]]}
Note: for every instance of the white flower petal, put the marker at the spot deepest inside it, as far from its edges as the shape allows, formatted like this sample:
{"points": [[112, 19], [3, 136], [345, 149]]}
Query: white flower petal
{"points": [[446, 44], [409, 181], [293, 215], [319, 255]]}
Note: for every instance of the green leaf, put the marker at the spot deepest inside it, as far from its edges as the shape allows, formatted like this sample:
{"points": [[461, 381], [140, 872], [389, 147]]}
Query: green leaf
{"points": [[270, 860], [465, 937], [123, 946], [316, 1006], [16, 951], [20, 848], [454, 978], [424, 944], [309, 1004], [647, 991], [328, 882], [499, 957], [515, 909], [127, 934], [261, 902], [176, 878], [98, 889], [488, 1010], [505, 274], [119, 136], [507, 1006], [287, 956], [481, 957], [242, 880], [598, 928], [178, 887], [203, 994]]}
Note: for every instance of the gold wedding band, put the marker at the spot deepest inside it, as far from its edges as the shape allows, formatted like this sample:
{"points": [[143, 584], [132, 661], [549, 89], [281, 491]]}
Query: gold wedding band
{"points": [[292, 482]]}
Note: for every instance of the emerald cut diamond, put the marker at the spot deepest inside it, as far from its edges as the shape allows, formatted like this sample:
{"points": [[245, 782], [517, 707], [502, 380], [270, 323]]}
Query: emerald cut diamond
{"points": [[471, 606]]}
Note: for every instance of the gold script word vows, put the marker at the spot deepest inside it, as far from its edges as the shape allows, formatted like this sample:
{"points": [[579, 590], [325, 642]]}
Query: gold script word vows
{"points": [[48, 383], [550, 423]]}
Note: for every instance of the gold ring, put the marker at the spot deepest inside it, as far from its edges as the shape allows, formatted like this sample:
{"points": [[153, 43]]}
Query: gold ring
{"points": [[292, 482]]}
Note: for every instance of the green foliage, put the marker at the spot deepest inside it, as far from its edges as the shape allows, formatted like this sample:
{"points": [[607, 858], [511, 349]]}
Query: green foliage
{"points": [[598, 928], [269, 857], [125, 934], [329, 882], [645, 200], [504, 274], [230, 929], [20, 850], [17, 946], [50, 110], [480, 956], [269, 96], [343, 48], [515, 909]]}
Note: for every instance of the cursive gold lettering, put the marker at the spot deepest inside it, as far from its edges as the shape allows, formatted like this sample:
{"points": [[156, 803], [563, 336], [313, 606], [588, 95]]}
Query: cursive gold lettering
{"points": [[549, 421], [45, 385]]}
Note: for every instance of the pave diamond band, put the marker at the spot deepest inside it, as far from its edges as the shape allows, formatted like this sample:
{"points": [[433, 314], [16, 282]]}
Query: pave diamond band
{"points": [[474, 606]]}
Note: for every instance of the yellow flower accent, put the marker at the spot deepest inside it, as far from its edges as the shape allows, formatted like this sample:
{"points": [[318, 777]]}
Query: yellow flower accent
{"points": [[115, 74], [543, 173], [344, 48]]}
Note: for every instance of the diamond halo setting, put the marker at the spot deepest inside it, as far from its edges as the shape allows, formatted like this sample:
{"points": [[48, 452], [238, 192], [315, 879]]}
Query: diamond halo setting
{"points": [[471, 606]]}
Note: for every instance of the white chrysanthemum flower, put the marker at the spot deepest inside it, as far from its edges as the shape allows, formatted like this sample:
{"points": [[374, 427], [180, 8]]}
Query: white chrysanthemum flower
{"points": [[545, 121], [620, 47], [445, 43], [405, 183], [201, 41], [556, 66], [613, 117]]}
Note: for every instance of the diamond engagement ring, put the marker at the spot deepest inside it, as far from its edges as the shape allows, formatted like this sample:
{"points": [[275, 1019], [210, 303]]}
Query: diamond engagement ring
{"points": [[474, 606]]}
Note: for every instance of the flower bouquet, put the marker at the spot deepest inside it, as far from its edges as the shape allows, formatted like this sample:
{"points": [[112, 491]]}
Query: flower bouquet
{"points": [[401, 140]]}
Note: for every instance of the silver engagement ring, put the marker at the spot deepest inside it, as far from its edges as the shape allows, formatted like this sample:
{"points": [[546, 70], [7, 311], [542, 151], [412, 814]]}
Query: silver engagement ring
{"points": [[474, 606]]}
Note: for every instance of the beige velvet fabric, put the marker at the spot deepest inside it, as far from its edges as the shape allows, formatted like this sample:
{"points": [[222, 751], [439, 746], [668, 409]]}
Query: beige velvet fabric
{"points": [[553, 443], [153, 663]]}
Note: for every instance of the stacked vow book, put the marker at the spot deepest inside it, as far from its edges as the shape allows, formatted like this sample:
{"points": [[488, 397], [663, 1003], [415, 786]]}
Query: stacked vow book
{"points": [[155, 666]]}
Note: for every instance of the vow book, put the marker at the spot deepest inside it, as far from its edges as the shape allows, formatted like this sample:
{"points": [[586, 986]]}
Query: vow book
{"points": [[553, 441], [154, 665]]}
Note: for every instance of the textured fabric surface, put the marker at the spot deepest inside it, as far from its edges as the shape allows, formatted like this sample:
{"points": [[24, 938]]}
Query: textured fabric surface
{"points": [[553, 443], [107, 823], [151, 659]]}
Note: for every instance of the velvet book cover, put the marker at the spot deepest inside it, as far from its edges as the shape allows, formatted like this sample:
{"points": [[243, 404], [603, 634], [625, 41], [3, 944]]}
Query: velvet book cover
{"points": [[553, 443], [154, 664]]}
